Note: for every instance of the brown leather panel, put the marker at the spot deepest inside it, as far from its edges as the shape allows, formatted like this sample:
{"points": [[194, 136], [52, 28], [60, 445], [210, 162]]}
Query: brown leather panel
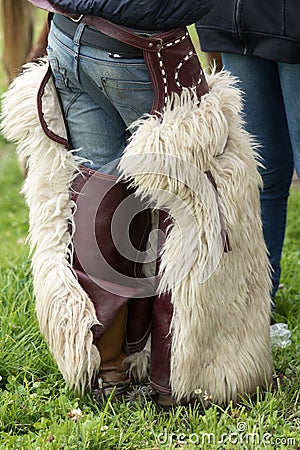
{"points": [[187, 73], [111, 228], [138, 324], [107, 239], [161, 343], [107, 305], [161, 336]]}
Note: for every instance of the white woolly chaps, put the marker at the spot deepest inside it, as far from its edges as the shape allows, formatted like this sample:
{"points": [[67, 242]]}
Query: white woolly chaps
{"points": [[221, 302], [64, 311]]}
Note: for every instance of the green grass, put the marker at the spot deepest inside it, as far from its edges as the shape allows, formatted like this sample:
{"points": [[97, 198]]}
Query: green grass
{"points": [[13, 225], [35, 404]]}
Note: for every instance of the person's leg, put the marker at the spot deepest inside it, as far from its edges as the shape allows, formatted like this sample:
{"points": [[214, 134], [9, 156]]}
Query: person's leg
{"points": [[265, 118], [101, 96], [290, 85]]}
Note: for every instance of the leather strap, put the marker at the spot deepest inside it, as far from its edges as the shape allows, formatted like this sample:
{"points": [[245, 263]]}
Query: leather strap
{"points": [[170, 56], [93, 37], [151, 44]]}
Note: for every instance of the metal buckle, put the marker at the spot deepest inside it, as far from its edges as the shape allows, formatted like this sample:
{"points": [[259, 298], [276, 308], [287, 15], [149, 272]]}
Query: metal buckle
{"points": [[76, 20], [160, 44]]}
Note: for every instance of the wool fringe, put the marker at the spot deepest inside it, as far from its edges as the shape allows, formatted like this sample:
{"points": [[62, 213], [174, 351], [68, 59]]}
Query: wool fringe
{"points": [[139, 364], [221, 301], [64, 311]]}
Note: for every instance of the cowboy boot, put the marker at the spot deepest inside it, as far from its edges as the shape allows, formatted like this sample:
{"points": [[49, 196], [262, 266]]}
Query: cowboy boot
{"points": [[113, 378], [110, 229]]}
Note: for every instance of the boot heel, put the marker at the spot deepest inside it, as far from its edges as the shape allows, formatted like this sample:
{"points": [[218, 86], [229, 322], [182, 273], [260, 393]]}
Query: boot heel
{"points": [[113, 382]]}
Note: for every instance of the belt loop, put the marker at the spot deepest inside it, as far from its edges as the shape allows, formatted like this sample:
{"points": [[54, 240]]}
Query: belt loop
{"points": [[78, 34], [76, 47]]}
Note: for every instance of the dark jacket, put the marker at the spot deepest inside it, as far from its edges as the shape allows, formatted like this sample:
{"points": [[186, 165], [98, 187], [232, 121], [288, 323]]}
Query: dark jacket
{"points": [[141, 14], [266, 28]]}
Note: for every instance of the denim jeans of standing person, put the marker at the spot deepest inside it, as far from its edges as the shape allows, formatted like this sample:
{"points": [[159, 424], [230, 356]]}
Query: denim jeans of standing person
{"points": [[101, 96], [272, 114]]}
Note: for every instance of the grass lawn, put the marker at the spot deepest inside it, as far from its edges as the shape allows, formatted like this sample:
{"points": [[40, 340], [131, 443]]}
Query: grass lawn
{"points": [[37, 411], [35, 405]]}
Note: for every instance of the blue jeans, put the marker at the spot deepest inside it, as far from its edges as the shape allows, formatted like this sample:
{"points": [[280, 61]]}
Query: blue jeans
{"points": [[272, 114], [101, 96]]}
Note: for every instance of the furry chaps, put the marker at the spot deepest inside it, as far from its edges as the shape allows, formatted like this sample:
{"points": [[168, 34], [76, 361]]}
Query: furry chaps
{"points": [[221, 303], [64, 311]]}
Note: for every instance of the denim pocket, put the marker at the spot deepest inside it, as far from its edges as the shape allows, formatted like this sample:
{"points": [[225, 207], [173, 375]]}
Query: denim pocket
{"points": [[59, 74], [131, 98]]}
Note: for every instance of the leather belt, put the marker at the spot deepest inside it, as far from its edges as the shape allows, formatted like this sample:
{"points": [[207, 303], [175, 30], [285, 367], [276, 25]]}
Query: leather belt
{"points": [[96, 39]]}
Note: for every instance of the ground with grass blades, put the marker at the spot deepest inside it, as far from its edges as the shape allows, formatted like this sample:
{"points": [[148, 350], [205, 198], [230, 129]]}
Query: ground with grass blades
{"points": [[37, 411]]}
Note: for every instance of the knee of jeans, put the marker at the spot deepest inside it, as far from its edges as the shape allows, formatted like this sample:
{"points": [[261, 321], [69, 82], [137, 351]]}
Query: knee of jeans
{"points": [[276, 182]]}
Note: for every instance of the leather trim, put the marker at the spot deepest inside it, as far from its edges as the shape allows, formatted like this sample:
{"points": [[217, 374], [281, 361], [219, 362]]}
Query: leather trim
{"points": [[53, 136]]}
